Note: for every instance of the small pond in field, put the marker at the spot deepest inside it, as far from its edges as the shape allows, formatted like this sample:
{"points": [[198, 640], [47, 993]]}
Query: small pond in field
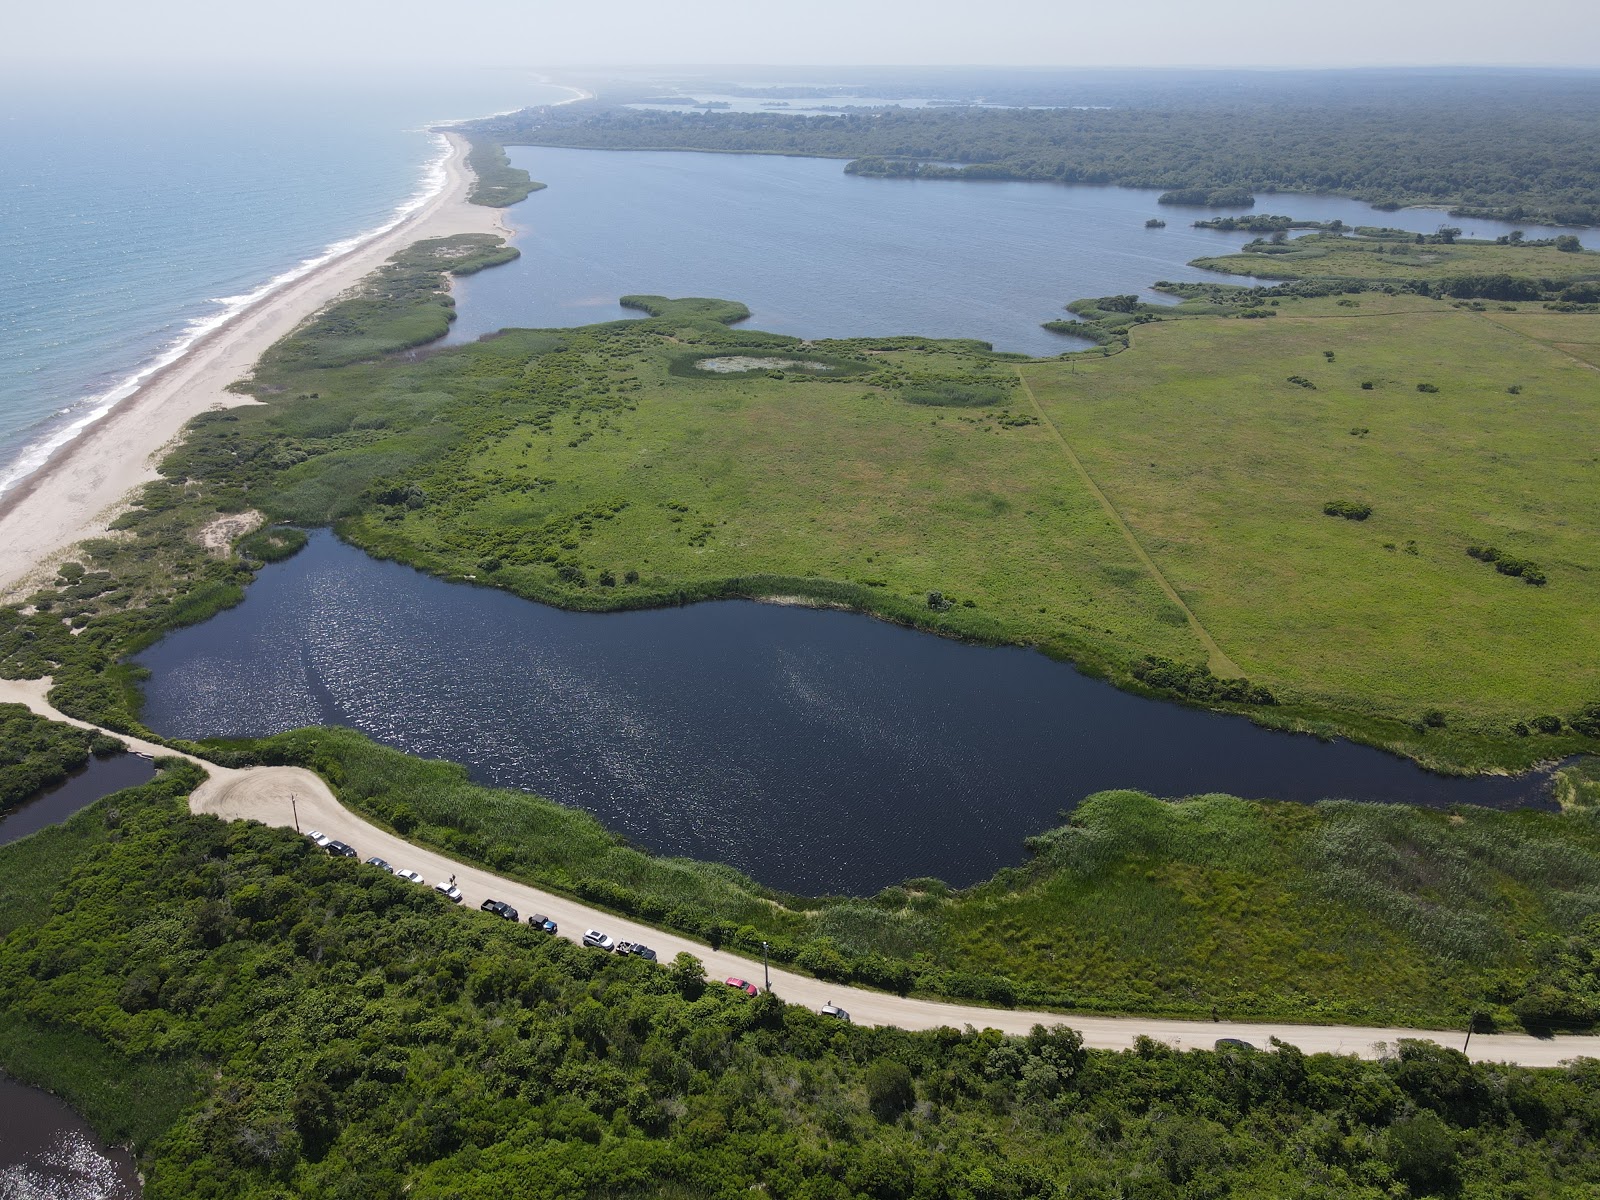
{"points": [[816, 750]]}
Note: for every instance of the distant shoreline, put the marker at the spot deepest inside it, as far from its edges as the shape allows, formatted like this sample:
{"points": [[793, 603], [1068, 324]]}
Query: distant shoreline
{"points": [[83, 484]]}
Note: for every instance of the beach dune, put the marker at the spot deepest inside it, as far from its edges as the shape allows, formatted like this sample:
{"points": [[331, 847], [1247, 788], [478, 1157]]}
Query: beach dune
{"points": [[85, 484]]}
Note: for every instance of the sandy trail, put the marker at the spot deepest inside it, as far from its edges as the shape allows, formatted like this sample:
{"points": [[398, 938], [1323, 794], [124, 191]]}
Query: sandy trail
{"points": [[83, 486], [281, 795]]}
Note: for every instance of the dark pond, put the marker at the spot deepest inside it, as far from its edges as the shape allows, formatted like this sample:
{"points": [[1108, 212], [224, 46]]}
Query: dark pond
{"points": [[99, 777], [47, 1152], [818, 253], [816, 750]]}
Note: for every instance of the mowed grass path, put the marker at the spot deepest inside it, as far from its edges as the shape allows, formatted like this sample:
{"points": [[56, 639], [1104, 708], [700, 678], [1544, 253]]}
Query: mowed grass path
{"points": [[1221, 467]]}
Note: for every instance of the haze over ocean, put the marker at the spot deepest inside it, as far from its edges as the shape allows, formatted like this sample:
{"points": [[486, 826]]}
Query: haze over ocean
{"points": [[130, 213]]}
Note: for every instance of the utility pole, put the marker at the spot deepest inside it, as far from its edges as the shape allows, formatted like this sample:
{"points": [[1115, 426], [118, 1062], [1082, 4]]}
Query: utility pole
{"points": [[294, 808], [766, 973]]}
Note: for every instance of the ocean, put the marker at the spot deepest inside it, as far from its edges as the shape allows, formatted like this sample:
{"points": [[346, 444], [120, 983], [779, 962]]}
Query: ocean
{"points": [[136, 214]]}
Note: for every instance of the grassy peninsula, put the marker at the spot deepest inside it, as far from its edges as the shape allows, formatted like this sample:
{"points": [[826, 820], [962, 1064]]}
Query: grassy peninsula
{"points": [[496, 183], [262, 1020]]}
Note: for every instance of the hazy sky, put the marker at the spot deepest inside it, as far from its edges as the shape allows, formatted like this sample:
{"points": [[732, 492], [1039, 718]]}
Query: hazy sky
{"points": [[140, 33]]}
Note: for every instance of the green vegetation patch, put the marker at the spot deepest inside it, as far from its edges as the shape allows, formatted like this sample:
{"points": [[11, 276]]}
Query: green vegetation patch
{"points": [[36, 754], [1222, 473], [956, 395], [405, 303], [272, 544], [496, 183], [263, 1020], [1338, 911], [1464, 269], [1513, 147]]}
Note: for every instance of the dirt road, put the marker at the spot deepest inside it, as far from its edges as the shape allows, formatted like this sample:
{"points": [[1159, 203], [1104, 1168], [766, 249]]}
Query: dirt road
{"points": [[284, 795]]}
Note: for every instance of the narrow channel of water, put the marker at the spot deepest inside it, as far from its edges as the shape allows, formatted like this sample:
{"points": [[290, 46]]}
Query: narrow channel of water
{"points": [[96, 778], [48, 1152], [816, 750]]}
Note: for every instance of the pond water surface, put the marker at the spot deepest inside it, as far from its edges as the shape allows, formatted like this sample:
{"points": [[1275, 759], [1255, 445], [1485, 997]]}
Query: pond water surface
{"points": [[96, 778], [816, 750], [48, 1152], [817, 253]]}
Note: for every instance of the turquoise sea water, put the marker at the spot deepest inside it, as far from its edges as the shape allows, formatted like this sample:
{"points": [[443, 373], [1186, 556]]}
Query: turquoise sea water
{"points": [[133, 213]]}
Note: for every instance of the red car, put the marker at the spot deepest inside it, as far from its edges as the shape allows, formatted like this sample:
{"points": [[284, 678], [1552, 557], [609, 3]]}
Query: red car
{"points": [[749, 989]]}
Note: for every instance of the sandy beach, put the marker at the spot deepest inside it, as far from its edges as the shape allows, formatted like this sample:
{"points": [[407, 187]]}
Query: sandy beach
{"points": [[85, 484]]}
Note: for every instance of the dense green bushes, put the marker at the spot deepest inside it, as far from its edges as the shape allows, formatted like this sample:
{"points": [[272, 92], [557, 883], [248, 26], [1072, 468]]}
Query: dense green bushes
{"points": [[36, 754], [1350, 510], [1520, 568], [302, 1025], [1199, 197], [1502, 146], [1196, 682]]}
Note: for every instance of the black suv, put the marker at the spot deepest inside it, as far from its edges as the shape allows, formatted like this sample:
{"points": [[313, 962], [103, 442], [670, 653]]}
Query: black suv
{"points": [[499, 908], [340, 850]]}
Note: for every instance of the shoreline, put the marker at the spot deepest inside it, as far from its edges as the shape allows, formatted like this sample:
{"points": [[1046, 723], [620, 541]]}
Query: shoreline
{"points": [[84, 484]]}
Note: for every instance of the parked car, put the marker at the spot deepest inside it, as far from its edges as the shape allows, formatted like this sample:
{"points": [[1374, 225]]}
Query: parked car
{"points": [[540, 921], [410, 876], [375, 861], [448, 889], [624, 947], [320, 838], [644, 952], [833, 1010], [340, 850], [1233, 1044], [598, 940], [499, 908], [749, 989]]}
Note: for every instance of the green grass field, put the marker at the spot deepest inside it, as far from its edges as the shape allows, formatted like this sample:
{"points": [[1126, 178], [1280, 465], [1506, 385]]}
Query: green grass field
{"points": [[1222, 469], [1167, 501], [1164, 501]]}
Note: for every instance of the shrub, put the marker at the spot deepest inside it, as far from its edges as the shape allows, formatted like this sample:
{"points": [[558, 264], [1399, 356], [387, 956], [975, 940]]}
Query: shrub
{"points": [[1547, 724], [1348, 509], [954, 394], [1197, 682], [1302, 381], [889, 1089], [1427, 387], [1587, 722]]}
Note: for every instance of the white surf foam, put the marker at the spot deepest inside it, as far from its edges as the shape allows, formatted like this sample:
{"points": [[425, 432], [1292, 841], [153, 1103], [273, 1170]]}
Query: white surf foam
{"points": [[84, 413]]}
